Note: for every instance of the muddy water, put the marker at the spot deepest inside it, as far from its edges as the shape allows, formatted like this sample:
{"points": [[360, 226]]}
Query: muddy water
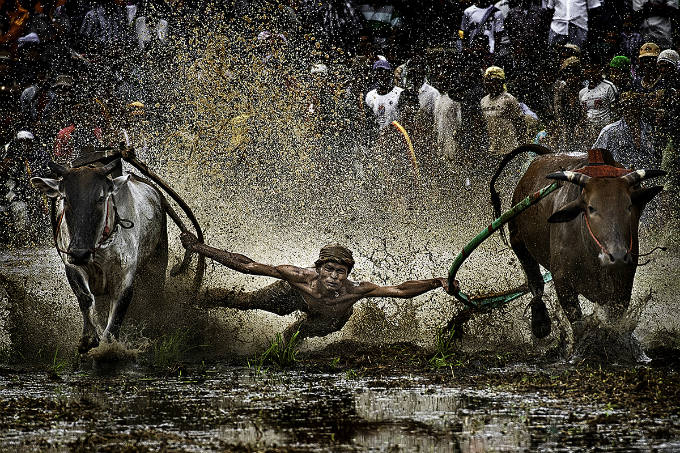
{"points": [[244, 409]]}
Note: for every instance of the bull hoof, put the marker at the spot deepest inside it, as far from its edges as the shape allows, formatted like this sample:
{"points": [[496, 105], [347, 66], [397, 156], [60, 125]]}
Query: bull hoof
{"points": [[87, 343], [540, 319]]}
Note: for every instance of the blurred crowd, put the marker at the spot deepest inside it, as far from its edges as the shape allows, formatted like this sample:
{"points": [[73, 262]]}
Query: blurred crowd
{"points": [[459, 83]]}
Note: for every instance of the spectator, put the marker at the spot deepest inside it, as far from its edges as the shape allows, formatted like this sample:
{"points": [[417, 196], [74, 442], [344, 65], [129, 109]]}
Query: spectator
{"points": [[22, 215], [482, 26], [9, 95], [649, 79], [84, 128], [630, 139], [383, 20], [597, 98], [527, 25], [669, 112], [620, 73], [570, 20], [337, 21], [650, 84], [567, 131], [631, 40], [655, 20], [17, 18], [503, 115], [473, 140], [447, 113], [417, 81], [384, 99], [104, 26], [62, 99]]}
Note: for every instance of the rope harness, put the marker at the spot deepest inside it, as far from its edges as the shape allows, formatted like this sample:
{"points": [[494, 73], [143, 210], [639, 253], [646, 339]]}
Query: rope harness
{"points": [[599, 244]]}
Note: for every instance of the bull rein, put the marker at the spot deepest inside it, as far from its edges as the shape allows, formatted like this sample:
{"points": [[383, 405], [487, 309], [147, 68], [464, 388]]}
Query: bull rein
{"points": [[483, 235], [129, 155]]}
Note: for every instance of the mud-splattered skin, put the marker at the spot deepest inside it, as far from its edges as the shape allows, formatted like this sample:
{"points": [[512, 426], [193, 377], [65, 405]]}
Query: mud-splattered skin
{"points": [[102, 253], [326, 289]]}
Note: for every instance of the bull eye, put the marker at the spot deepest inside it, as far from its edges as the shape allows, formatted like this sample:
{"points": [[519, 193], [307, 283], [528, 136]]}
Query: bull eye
{"points": [[102, 199], [591, 210]]}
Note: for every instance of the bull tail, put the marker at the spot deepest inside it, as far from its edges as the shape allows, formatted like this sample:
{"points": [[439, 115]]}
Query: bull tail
{"points": [[495, 196]]}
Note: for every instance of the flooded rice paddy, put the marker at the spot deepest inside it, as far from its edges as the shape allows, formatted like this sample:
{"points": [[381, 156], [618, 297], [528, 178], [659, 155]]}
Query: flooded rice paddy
{"points": [[383, 400]]}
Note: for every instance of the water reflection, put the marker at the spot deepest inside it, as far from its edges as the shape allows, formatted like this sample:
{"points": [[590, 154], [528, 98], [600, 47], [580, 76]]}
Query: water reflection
{"points": [[309, 412]]}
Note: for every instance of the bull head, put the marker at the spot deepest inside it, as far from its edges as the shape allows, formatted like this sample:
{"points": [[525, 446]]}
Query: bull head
{"points": [[85, 192], [611, 210], [639, 197]]}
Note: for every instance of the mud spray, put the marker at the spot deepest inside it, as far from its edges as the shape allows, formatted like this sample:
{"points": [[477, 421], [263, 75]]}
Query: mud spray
{"points": [[275, 180]]}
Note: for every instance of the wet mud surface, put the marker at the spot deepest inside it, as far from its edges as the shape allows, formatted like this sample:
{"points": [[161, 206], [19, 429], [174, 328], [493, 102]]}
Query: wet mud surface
{"points": [[345, 398]]}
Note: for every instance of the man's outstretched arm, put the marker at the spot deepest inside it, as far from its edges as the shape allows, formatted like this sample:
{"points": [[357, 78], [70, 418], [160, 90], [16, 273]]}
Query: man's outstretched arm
{"points": [[412, 288], [235, 261]]}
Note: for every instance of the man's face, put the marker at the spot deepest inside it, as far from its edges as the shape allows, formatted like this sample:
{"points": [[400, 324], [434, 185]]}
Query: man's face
{"points": [[666, 69], [593, 73], [384, 79], [332, 275], [493, 85], [620, 77], [648, 65]]}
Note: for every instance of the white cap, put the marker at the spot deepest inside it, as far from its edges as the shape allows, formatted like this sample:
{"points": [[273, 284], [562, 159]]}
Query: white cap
{"points": [[24, 135], [669, 56], [319, 68]]}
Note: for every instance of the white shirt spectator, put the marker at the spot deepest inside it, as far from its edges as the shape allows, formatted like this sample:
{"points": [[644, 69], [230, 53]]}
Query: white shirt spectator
{"points": [[598, 103], [427, 96], [447, 118], [569, 11], [656, 28], [472, 17], [384, 107]]}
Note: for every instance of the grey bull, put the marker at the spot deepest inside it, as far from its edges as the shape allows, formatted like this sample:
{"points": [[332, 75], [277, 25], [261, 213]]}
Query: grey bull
{"points": [[586, 233], [110, 232]]}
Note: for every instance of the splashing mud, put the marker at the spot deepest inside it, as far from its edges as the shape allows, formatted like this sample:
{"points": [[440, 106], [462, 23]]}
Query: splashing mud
{"points": [[267, 178]]}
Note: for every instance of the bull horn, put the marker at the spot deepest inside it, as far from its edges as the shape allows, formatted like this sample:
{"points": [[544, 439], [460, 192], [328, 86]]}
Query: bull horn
{"points": [[108, 168], [637, 176], [57, 168], [571, 176]]}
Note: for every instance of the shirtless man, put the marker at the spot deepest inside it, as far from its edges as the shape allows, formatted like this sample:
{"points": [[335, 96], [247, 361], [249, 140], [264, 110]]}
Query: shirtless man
{"points": [[323, 294]]}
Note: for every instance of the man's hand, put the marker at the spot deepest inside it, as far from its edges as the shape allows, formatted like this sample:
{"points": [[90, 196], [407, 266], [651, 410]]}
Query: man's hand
{"points": [[450, 291], [189, 240]]}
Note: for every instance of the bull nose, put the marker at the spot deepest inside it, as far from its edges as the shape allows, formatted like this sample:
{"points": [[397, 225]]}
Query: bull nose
{"points": [[619, 258], [80, 257]]}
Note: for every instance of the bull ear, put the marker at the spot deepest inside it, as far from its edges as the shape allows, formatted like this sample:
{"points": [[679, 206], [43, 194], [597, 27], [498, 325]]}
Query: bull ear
{"points": [[48, 186], [641, 197], [567, 213], [119, 182]]}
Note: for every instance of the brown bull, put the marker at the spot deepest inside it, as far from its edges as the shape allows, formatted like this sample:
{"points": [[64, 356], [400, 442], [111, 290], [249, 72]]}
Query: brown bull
{"points": [[585, 233]]}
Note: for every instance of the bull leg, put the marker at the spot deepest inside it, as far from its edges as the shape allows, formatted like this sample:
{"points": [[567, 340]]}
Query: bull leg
{"points": [[117, 314], [569, 302], [78, 281], [540, 318]]}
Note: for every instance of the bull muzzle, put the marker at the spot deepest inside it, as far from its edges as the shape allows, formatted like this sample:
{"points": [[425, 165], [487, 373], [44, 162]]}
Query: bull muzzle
{"points": [[620, 258], [80, 257]]}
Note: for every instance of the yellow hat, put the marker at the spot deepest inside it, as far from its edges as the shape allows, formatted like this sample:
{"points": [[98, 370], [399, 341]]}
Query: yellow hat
{"points": [[571, 62], [494, 72], [649, 49]]}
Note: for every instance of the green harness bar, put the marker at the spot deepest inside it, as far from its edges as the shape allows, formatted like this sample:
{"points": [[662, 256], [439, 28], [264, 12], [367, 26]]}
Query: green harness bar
{"points": [[496, 300]]}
